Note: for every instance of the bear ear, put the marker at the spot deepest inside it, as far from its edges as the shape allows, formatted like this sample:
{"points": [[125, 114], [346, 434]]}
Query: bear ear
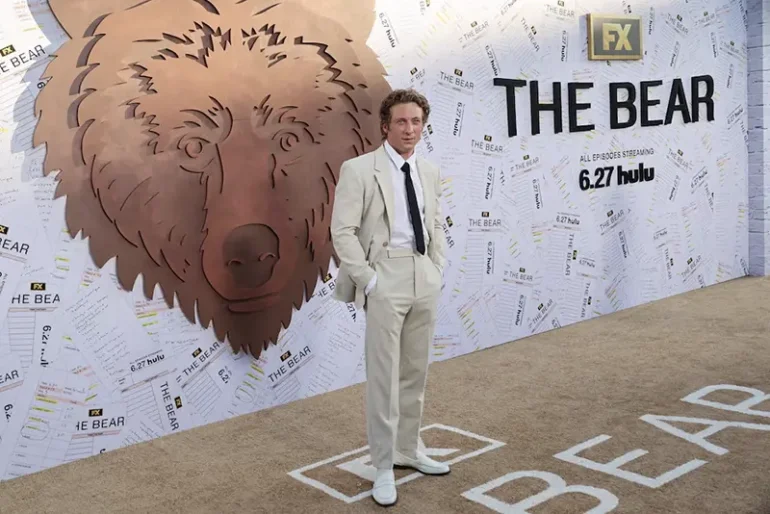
{"points": [[76, 16], [356, 16]]}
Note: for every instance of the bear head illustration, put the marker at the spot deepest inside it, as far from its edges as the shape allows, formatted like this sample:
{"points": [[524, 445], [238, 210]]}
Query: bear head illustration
{"points": [[199, 143]]}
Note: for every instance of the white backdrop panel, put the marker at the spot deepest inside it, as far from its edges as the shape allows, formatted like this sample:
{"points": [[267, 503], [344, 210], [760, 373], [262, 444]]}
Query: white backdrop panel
{"points": [[529, 250]]}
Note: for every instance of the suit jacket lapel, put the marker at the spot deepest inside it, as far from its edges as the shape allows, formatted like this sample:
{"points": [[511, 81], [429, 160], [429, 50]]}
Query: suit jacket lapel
{"points": [[428, 193], [382, 168]]}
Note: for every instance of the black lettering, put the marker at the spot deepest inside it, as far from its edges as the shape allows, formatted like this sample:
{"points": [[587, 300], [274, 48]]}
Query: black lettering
{"points": [[9, 376], [615, 104], [600, 173], [677, 101], [647, 102], [536, 107], [164, 389], [510, 100], [631, 176], [574, 106], [697, 99], [648, 174]]}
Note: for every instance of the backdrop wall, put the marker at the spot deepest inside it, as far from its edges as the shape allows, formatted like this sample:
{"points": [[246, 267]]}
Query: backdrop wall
{"points": [[759, 136], [188, 145]]}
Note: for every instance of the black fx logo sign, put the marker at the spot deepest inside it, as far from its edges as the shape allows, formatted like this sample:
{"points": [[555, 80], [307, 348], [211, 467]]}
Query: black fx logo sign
{"points": [[614, 38]]}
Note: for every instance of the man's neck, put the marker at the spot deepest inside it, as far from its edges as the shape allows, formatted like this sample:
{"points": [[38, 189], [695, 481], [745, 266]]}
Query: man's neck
{"points": [[405, 155]]}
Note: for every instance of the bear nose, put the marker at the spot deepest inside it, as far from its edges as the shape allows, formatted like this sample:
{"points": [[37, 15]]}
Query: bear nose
{"points": [[251, 252]]}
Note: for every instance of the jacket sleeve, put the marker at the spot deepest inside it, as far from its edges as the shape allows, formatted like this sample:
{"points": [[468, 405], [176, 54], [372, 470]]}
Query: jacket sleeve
{"points": [[345, 224], [439, 253]]}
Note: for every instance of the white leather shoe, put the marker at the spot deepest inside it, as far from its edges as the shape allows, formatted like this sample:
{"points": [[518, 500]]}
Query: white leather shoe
{"points": [[422, 463], [384, 490]]}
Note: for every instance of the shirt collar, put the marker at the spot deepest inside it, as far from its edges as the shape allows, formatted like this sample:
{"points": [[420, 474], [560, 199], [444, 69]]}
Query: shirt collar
{"points": [[397, 159]]}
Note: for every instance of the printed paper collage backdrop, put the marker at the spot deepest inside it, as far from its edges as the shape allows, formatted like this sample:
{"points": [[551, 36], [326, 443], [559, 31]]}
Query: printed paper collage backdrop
{"points": [[146, 117]]}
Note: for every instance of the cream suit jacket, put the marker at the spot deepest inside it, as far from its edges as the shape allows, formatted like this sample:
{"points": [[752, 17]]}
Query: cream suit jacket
{"points": [[362, 219]]}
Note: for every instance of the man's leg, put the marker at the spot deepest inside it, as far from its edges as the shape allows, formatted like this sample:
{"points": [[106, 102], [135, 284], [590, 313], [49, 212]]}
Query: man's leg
{"points": [[419, 327], [387, 307]]}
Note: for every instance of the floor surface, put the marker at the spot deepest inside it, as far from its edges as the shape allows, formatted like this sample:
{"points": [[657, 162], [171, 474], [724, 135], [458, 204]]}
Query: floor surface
{"points": [[511, 408]]}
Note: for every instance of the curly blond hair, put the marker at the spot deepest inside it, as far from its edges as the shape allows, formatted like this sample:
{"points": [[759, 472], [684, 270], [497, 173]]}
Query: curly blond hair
{"points": [[402, 96]]}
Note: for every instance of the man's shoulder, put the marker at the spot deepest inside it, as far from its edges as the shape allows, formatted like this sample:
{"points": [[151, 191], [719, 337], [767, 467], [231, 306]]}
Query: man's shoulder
{"points": [[427, 165], [362, 162], [423, 161]]}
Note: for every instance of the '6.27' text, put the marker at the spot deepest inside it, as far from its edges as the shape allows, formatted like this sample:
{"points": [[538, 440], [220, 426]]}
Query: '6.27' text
{"points": [[603, 176]]}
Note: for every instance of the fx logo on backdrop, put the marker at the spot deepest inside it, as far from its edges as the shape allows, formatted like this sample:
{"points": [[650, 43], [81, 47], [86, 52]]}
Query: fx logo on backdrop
{"points": [[614, 37]]}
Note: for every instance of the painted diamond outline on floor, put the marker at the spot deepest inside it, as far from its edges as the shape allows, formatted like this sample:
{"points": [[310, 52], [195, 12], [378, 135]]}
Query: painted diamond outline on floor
{"points": [[358, 466]]}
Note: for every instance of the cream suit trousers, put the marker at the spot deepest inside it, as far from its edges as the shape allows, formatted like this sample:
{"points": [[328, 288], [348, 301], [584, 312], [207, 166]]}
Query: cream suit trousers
{"points": [[400, 322]]}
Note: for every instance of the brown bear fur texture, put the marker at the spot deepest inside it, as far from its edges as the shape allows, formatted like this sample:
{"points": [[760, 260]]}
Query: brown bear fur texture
{"points": [[199, 142]]}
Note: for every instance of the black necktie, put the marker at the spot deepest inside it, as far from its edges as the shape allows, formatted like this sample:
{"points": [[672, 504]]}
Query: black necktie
{"points": [[414, 210]]}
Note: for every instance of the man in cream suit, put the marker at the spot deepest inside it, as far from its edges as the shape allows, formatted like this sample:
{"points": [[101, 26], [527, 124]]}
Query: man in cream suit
{"points": [[387, 231]]}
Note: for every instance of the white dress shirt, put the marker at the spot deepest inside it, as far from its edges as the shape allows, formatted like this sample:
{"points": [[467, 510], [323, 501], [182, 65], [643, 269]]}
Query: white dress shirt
{"points": [[403, 233]]}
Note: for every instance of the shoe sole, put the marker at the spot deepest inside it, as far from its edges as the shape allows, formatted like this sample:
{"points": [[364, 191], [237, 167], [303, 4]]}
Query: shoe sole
{"points": [[399, 466], [385, 504]]}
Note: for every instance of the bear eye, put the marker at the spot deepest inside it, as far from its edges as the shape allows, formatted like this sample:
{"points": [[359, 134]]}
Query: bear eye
{"points": [[194, 148], [287, 139]]}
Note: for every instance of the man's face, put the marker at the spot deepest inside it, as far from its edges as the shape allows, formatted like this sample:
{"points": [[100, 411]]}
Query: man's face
{"points": [[405, 129]]}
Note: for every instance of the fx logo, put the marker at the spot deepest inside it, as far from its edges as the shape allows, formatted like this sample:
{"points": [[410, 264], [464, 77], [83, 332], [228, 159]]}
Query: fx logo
{"points": [[609, 31], [614, 37]]}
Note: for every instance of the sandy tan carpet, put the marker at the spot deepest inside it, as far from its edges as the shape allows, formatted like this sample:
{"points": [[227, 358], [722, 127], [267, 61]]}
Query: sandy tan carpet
{"points": [[539, 396]]}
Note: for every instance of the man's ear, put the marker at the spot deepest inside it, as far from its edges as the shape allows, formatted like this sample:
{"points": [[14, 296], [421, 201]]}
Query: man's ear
{"points": [[76, 16], [356, 16]]}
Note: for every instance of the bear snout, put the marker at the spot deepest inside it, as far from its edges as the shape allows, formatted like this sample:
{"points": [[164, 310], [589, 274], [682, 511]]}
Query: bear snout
{"points": [[250, 254]]}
